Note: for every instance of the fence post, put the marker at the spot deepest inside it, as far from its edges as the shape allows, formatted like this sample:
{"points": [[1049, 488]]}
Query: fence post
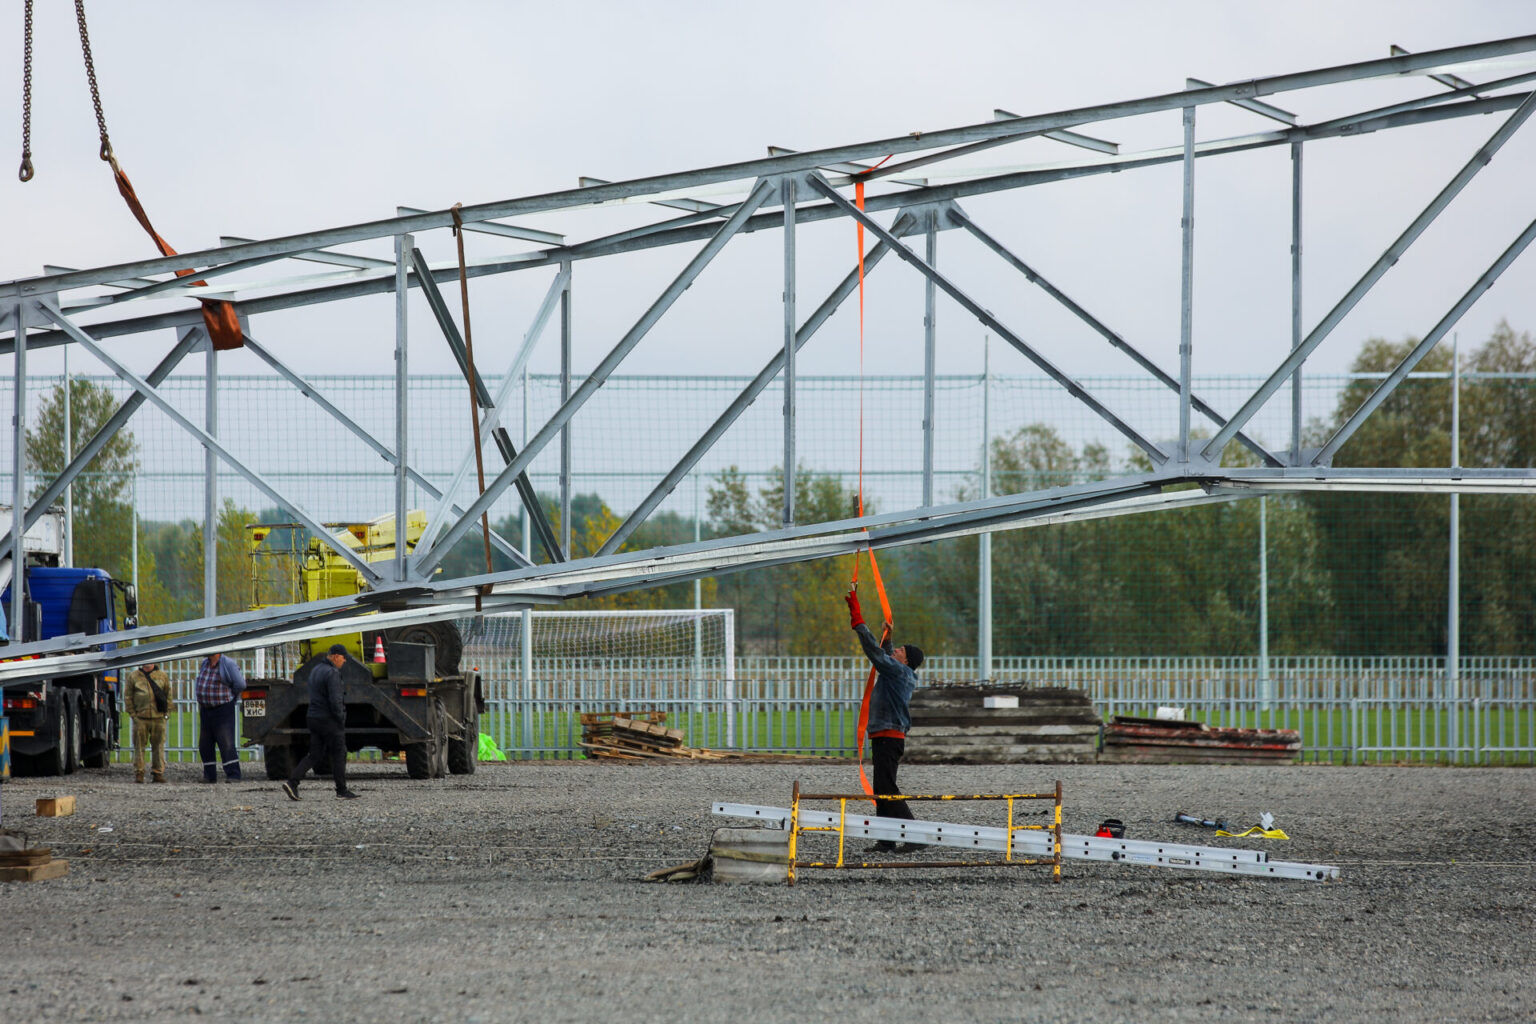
{"points": [[1354, 725]]}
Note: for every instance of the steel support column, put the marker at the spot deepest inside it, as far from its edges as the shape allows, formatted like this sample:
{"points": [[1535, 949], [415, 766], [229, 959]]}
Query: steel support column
{"points": [[18, 622], [1187, 285], [1296, 209], [403, 246], [931, 253], [787, 191], [565, 396], [210, 477]]}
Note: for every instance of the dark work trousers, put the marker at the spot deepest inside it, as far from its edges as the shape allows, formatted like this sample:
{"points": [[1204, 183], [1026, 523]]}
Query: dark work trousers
{"points": [[887, 756], [326, 740], [216, 727]]}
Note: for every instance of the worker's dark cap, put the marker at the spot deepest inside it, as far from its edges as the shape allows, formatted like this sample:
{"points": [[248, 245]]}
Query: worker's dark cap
{"points": [[914, 657], [337, 649]]}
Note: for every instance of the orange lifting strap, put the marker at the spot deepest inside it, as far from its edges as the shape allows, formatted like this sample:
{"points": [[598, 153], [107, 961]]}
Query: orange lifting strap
{"points": [[874, 567], [218, 315]]}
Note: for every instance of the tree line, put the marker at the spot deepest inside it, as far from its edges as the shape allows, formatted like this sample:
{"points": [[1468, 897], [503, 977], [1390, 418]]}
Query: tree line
{"points": [[1348, 573]]}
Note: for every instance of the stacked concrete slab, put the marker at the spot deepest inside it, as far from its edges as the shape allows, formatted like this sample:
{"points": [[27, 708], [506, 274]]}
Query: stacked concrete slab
{"points": [[952, 724]]}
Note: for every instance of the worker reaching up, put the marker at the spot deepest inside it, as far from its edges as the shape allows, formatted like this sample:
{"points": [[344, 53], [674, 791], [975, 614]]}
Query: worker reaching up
{"points": [[889, 719]]}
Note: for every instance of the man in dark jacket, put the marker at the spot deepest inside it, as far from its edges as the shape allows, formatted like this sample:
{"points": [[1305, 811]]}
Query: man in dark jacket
{"points": [[327, 722], [889, 718]]}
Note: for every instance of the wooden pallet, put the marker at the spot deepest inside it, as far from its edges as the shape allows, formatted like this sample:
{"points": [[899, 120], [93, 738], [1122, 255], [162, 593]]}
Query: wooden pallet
{"points": [[1129, 740], [638, 736]]}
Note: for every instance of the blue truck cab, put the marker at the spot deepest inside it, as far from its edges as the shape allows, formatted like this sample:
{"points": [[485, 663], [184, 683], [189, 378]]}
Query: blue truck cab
{"points": [[60, 724]]}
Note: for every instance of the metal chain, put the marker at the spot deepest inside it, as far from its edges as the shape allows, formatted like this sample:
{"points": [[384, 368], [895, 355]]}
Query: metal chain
{"points": [[26, 96], [90, 74]]}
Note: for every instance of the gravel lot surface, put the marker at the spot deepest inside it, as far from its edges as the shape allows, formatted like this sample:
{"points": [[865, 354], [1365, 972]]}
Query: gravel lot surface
{"points": [[516, 894]]}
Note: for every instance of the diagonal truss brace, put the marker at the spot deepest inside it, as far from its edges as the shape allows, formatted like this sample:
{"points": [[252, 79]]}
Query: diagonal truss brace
{"points": [[184, 345], [748, 394], [52, 312], [483, 400], [960, 219], [600, 374], [490, 423], [309, 391], [1394, 252], [1076, 390], [1400, 372]]}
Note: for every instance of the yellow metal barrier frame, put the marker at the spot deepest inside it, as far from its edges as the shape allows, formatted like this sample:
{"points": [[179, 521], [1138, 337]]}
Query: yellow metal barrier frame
{"points": [[795, 829]]}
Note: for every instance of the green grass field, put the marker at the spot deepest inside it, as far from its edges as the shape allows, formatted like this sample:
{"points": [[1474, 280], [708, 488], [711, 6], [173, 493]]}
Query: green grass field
{"points": [[1329, 735]]}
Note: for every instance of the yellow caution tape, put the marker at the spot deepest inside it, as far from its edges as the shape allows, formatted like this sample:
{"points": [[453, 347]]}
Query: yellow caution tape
{"points": [[1273, 833]]}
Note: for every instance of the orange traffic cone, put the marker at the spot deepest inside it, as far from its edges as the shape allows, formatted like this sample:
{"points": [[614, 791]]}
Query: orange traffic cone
{"points": [[378, 650]]}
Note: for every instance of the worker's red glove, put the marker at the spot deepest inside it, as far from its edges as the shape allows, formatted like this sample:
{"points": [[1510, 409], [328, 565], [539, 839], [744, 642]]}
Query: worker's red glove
{"points": [[855, 613]]}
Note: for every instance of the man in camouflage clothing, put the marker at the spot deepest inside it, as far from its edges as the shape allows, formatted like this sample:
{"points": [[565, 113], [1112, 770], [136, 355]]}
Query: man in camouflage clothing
{"points": [[149, 711]]}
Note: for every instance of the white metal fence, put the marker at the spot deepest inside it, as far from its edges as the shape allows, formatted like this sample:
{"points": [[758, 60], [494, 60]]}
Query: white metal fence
{"points": [[1348, 710]]}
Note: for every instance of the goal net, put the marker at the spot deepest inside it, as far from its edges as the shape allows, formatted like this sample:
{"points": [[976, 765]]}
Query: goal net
{"points": [[619, 647]]}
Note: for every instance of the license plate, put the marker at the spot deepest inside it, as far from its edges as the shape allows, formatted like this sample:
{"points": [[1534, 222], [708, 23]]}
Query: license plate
{"points": [[254, 708]]}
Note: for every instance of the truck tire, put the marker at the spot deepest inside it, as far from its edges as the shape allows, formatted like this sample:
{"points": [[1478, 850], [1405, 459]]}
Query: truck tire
{"points": [[279, 761], [464, 753], [429, 759], [71, 736], [444, 637], [418, 760], [52, 760], [103, 757]]}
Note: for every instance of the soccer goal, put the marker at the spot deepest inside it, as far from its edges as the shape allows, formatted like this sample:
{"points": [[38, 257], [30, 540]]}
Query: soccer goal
{"points": [[545, 663]]}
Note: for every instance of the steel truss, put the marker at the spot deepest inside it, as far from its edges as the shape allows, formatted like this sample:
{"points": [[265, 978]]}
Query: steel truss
{"points": [[780, 192]]}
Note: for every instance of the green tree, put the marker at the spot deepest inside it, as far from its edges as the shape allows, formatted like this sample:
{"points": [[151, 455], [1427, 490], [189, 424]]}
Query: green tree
{"points": [[1388, 553]]}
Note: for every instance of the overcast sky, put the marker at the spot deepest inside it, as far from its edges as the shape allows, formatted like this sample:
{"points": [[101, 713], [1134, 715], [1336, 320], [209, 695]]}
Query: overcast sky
{"points": [[265, 119]]}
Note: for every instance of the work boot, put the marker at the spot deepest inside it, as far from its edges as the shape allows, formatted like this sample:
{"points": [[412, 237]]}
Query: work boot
{"points": [[346, 794]]}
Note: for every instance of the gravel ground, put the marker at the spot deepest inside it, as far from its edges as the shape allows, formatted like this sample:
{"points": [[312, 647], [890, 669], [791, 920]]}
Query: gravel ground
{"points": [[516, 894]]}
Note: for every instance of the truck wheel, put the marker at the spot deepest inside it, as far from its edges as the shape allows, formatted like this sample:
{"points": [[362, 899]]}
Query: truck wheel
{"points": [[418, 760], [52, 760], [429, 758], [440, 731], [464, 753], [102, 758], [71, 736], [445, 638], [280, 762]]}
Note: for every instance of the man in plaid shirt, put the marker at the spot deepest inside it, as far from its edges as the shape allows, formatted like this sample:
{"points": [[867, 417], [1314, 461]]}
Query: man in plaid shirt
{"points": [[218, 686]]}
